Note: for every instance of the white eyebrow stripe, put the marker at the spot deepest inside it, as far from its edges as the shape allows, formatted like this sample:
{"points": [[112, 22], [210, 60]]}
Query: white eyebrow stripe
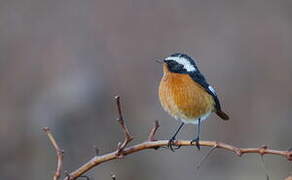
{"points": [[181, 60]]}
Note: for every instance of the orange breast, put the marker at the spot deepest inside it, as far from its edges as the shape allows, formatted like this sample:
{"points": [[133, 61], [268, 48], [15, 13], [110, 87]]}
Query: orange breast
{"points": [[183, 98]]}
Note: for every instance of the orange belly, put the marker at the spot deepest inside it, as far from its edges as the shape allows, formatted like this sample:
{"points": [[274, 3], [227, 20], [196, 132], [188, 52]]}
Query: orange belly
{"points": [[183, 98]]}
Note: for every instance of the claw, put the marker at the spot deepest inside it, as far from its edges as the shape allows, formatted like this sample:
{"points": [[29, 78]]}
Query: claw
{"points": [[177, 147], [170, 143], [197, 143]]}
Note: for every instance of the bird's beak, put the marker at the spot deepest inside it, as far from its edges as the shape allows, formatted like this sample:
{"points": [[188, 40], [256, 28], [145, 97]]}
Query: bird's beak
{"points": [[159, 61]]}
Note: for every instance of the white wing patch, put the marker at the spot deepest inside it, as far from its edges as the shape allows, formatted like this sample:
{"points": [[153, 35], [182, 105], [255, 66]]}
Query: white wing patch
{"points": [[181, 60], [212, 90]]}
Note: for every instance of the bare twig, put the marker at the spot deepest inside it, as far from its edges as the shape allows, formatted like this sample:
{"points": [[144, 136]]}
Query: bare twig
{"points": [[95, 161], [153, 131], [59, 152], [263, 164], [206, 156], [265, 168], [127, 136]]}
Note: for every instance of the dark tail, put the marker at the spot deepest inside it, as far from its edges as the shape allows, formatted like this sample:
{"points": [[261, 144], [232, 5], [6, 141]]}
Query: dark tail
{"points": [[223, 115]]}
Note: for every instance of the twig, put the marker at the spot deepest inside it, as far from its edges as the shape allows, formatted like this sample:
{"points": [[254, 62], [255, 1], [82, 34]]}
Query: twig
{"points": [[205, 157], [95, 161], [263, 164], [59, 152], [153, 131], [265, 168], [127, 136]]}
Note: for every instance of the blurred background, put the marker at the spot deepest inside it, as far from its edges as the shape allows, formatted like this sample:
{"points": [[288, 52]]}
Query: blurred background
{"points": [[63, 61]]}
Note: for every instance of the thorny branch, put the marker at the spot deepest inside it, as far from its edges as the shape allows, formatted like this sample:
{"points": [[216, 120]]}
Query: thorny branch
{"points": [[59, 152], [150, 143]]}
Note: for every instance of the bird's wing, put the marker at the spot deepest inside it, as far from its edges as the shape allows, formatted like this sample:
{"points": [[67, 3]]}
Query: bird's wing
{"points": [[199, 78]]}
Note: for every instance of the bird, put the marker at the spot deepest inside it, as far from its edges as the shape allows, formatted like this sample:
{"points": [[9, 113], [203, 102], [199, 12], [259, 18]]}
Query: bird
{"points": [[185, 94]]}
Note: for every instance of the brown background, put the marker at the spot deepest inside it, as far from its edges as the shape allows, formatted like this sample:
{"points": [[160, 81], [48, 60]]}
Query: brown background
{"points": [[62, 61]]}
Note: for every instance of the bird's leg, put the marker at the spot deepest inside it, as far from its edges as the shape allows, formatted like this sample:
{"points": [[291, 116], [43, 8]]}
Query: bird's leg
{"points": [[171, 141], [197, 139]]}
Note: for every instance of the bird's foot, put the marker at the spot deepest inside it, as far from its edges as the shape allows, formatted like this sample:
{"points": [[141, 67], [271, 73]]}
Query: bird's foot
{"points": [[197, 143], [170, 144]]}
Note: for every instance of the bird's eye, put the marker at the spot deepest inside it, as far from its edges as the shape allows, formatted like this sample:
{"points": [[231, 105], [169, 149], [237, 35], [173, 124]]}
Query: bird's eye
{"points": [[175, 66], [172, 63]]}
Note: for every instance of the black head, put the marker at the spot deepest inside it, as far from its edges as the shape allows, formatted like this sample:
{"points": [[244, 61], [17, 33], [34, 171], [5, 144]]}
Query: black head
{"points": [[180, 63]]}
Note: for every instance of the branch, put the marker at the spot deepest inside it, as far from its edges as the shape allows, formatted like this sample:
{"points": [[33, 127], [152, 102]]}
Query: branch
{"points": [[162, 143], [151, 143], [127, 136], [59, 152]]}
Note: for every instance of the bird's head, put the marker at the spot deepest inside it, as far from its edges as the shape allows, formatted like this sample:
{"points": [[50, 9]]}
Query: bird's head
{"points": [[180, 63]]}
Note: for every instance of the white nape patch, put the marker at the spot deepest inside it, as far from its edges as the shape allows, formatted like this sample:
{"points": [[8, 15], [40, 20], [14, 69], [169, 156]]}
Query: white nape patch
{"points": [[196, 121], [212, 90], [181, 60]]}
